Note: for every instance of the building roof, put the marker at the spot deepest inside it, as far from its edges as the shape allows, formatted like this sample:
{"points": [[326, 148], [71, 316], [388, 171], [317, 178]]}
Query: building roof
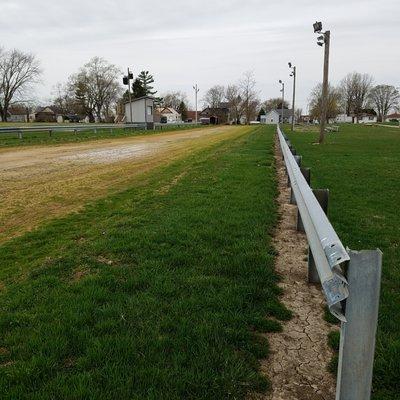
{"points": [[286, 112], [394, 115], [192, 114], [167, 110]]}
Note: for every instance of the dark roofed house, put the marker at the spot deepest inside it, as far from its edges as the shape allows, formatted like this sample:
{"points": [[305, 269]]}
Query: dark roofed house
{"points": [[393, 117], [17, 114], [45, 114], [216, 115]]}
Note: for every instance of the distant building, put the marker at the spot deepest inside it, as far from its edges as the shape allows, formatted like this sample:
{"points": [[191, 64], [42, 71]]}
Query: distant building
{"points": [[275, 117], [17, 114], [45, 114], [343, 118], [168, 115], [393, 117], [191, 116], [305, 119], [366, 116], [142, 111], [216, 115]]}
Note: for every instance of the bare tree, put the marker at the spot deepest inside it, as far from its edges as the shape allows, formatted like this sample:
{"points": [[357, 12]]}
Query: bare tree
{"points": [[249, 96], [18, 72], [315, 102], [354, 90], [384, 98], [97, 87], [174, 99], [214, 96], [297, 114], [234, 100], [65, 100], [275, 104]]}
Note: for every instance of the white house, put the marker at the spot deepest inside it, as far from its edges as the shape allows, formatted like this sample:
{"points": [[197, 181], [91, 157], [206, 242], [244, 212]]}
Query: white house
{"points": [[367, 118], [140, 110], [275, 117], [343, 118], [169, 115]]}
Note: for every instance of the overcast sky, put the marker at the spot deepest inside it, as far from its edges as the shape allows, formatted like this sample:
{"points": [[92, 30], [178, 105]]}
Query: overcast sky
{"points": [[207, 42]]}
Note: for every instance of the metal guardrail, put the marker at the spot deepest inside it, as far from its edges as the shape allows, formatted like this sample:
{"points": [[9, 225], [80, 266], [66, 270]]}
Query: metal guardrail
{"points": [[352, 293], [67, 128], [21, 130], [326, 247]]}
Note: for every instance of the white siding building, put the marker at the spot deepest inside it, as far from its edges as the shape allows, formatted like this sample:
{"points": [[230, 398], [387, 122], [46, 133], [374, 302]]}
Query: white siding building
{"points": [[142, 110], [170, 115], [275, 116]]}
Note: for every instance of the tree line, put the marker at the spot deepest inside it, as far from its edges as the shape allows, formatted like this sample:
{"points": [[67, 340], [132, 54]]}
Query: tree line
{"points": [[355, 94], [96, 91]]}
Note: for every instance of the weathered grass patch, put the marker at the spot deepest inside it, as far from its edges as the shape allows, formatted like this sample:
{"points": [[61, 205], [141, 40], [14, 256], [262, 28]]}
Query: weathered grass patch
{"points": [[149, 294]]}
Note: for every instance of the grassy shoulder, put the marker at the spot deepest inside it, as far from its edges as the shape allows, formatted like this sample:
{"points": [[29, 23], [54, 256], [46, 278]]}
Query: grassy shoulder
{"points": [[156, 292], [360, 166], [44, 138]]}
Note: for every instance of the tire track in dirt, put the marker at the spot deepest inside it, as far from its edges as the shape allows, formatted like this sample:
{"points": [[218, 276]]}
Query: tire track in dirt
{"points": [[299, 356]]}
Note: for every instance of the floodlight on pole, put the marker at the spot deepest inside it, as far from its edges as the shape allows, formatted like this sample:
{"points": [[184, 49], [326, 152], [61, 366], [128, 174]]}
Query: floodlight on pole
{"points": [[317, 27], [293, 74], [323, 39], [127, 81]]}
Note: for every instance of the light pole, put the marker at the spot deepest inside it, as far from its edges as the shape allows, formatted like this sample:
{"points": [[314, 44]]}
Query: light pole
{"points": [[127, 81], [324, 38], [196, 91], [283, 98], [293, 73]]}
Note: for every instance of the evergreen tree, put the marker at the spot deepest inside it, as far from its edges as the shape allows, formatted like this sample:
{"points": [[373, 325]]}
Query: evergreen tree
{"points": [[182, 109], [262, 112], [138, 89], [146, 79]]}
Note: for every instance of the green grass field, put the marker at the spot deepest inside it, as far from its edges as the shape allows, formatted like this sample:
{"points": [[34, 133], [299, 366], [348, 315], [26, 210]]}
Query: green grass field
{"points": [[361, 167], [158, 292], [43, 137]]}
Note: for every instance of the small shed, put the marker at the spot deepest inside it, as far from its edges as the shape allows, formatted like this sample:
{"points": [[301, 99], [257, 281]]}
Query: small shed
{"points": [[140, 111]]}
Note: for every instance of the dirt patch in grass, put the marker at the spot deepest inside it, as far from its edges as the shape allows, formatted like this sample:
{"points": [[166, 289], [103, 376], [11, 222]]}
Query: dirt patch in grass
{"points": [[298, 363], [43, 182]]}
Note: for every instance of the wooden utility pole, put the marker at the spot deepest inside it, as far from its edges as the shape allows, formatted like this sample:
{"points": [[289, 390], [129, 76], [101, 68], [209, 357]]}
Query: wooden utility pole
{"points": [[325, 94], [294, 96], [196, 91]]}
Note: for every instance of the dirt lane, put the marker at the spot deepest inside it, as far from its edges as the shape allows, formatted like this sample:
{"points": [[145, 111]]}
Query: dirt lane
{"points": [[42, 182]]}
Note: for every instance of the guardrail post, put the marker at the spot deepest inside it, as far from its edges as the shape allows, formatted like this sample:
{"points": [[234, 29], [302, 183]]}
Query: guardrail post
{"points": [[307, 174], [292, 198], [20, 136], [50, 132], [357, 339], [322, 195]]}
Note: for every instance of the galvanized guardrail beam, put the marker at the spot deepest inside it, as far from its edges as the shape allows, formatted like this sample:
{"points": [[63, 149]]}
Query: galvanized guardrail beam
{"points": [[328, 251]]}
